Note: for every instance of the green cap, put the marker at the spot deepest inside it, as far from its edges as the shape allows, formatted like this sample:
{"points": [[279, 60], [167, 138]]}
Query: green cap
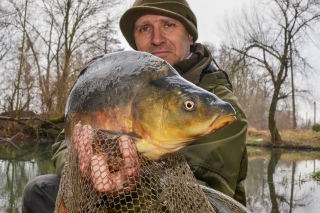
{"points": [[177, 9]]}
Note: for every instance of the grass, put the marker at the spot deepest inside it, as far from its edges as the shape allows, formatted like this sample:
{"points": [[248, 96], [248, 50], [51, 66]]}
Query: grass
{"points": [[316, 176], [297, 139]]}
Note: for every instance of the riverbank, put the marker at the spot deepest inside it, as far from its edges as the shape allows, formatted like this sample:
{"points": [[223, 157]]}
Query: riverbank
{"points": [[291, 139], [29, 130]]}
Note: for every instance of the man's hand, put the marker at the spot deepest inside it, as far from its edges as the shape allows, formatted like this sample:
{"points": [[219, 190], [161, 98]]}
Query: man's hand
{"points": [[97, 168]]}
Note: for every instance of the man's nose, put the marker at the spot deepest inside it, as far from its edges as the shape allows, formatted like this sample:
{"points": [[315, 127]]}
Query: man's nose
{"points": [[158, 37]]}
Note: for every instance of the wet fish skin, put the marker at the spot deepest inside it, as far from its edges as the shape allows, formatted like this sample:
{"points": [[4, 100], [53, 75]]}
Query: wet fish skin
{"points": [[141, 95]]}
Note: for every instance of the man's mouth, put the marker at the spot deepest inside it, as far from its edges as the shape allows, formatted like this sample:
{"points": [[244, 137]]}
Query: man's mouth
{"points": [[160, 54]]}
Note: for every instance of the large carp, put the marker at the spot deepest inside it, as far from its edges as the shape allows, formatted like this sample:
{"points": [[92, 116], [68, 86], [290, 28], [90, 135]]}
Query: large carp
{"points": [[141, 95]]}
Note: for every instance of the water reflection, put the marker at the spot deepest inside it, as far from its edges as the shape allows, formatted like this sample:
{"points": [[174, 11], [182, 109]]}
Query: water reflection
{"points": [[277, 181], [280, 181], [17, 167]]}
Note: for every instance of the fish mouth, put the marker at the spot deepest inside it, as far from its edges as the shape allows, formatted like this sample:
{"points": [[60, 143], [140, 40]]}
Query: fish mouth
{"points": [[221, 122]]}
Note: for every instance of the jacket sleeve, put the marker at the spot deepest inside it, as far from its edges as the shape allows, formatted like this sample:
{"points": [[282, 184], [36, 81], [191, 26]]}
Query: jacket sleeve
{"points": [[59, 149], [220, 160]]}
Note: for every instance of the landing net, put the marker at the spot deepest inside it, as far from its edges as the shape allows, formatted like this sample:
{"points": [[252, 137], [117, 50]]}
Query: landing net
{"points": [[105, 173]]}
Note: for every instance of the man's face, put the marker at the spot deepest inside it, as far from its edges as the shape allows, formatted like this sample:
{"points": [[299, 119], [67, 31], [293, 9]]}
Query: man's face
{"points": [[162, 36]]}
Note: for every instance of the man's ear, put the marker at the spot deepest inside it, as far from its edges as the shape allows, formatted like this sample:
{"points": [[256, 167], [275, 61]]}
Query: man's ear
{"points": [[190, 38]]}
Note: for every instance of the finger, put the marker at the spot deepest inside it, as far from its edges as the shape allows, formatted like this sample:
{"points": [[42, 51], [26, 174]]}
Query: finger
{"points": [[83, 146], [127, 147], [85, 136], [76, 134], [104, 181], [99, 173], [130, 156]]}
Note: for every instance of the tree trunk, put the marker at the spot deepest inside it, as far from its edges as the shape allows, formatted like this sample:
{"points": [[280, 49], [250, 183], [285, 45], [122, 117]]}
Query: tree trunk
{"points": [[294, 119], [21, 62], [275, 136]]}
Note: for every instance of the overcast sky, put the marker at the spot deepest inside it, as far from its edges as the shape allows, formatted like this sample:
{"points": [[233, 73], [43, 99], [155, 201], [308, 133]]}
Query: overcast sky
{"points": [[210, 13]]}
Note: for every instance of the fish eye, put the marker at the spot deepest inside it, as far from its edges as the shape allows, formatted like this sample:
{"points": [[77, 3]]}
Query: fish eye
{"points": [[189, 105]]}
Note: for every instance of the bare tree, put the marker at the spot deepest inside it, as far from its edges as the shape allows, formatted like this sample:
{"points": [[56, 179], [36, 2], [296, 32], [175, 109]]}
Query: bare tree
{"points": [[74, 26], [4, 30], [21, 78], [268, 35], [43, 46], [249, 84], [107, 40], [57, 45]]}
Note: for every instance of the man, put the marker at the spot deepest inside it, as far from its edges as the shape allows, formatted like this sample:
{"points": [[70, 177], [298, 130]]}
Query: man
{"points": [[168, 29]]}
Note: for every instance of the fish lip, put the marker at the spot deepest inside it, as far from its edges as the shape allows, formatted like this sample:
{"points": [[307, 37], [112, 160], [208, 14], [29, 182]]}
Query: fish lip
{"points": [[221, 122]]}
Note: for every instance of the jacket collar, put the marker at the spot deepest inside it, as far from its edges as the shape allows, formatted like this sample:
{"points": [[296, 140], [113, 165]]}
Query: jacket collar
{"points": [[192, 67]]}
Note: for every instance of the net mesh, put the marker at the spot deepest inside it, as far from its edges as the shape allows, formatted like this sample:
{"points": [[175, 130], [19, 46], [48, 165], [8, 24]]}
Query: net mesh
{"points": [[105, 173]]}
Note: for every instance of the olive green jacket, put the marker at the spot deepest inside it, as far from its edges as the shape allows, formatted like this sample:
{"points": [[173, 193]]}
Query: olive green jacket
{"points": [[218, 160]]}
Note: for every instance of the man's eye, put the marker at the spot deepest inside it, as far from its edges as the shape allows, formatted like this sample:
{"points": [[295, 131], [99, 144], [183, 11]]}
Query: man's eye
{"points": [[143, 29], [169, 25]]}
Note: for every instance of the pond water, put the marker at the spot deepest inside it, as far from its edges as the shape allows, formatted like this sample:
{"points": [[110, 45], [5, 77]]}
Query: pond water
{"points": [[281, 181], [277, 181], [17, 167]]}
